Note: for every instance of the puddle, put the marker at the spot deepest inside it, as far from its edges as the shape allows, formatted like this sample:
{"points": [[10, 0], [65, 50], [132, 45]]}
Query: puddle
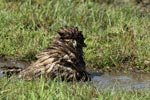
{"points": [[113, 81], [9, 61], [117, 81]]}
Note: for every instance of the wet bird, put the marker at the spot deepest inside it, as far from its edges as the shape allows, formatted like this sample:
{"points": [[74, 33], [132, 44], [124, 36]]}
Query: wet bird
{"points": [[63, 58]]}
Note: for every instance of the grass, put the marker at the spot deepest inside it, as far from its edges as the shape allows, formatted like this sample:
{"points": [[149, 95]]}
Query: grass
{"points": [[117, 37], [56, 90]]}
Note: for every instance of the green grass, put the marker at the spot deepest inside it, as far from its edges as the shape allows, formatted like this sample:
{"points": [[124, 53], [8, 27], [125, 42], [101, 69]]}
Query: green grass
{"points": [[117, 36], [56, 90]]}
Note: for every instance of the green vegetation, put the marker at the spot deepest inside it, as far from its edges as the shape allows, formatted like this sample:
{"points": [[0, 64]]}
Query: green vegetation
{"points": [[56, 90], [117, 37], [117, 34]]}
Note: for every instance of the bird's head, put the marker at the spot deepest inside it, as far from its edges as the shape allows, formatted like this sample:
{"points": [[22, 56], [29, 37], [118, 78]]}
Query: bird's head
{"points": [[71, 35]]}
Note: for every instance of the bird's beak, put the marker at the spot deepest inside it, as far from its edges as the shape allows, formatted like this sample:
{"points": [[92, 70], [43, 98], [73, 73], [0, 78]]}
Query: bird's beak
{"points": [[82, 44]]}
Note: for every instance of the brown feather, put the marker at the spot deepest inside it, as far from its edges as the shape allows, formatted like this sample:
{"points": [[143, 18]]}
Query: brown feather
{"points": [[62, 58]]}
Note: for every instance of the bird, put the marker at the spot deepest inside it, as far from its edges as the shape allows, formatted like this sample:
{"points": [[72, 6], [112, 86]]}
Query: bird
{"points": [[64, 58]]}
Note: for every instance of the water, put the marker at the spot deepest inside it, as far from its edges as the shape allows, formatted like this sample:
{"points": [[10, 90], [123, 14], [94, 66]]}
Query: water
{"points": [[112, 81], [10, 61], [122, 81]]}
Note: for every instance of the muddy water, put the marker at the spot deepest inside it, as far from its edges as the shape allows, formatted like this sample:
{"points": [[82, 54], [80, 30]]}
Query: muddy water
{"points": [[121, 81], [9, 61], [113, 81]]}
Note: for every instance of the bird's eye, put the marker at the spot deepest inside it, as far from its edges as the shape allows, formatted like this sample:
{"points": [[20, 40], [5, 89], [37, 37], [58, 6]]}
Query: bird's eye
{"points": [[71, 42], [67, 40]]}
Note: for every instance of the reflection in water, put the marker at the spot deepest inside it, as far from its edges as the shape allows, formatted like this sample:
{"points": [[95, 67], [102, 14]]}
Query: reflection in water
{"points": [[122, 81]]}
